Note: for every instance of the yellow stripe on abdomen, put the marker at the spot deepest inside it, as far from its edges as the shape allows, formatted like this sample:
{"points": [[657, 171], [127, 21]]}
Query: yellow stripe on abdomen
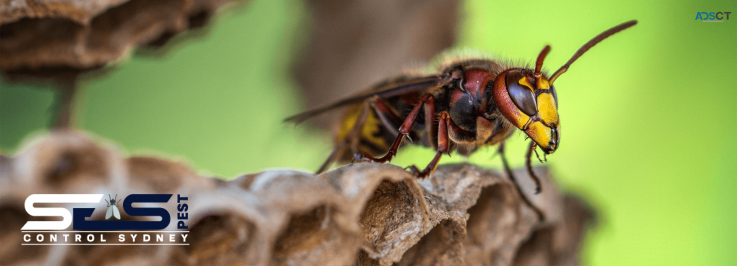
{"points": [[372, 139]]}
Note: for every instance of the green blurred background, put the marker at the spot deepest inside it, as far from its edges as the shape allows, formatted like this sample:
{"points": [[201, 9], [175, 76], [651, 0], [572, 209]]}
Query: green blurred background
{"points": [[648, 115]]}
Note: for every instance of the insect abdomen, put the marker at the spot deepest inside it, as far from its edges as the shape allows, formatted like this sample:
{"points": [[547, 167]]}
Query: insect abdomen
{"points": [[374, 138]]}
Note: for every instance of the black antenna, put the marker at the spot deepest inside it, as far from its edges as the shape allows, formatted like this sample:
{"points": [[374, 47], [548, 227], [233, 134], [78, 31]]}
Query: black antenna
{"points": [[590, 44]]}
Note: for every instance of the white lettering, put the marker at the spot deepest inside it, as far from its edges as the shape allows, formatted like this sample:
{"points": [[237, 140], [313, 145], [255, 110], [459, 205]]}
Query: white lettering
{"points": [[52, 238], [146, 237], [172, 238], [102, 239], [134, 237], [90, 237], [65, 214], [65, 237], [159, 237], [121, 238], [184, 238], [40, 238], [26, 239], [77, 238]]}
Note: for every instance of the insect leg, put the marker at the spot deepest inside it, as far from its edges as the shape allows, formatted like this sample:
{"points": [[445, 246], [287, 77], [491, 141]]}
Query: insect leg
{"points": [[540, 215], [350, 140], [430, 123], [404, 130], [382, 111], [443, 146], [331, 158], [538, 156], [538, 188]]}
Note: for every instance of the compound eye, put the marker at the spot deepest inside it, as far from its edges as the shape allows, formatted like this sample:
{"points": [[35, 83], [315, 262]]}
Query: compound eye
{"points": [[523, 97]]}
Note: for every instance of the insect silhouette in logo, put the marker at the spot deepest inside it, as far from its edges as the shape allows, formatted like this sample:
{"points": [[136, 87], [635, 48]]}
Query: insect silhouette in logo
{"points": [[468, 103], [112, 207]]}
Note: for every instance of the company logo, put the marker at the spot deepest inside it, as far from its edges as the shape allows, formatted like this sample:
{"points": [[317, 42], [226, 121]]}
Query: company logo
{"points": [[109, 231], [712, 16]]}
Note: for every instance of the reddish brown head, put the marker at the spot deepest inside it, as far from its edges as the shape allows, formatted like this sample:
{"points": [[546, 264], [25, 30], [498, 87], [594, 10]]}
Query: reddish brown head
{"points": [[528, 99]]}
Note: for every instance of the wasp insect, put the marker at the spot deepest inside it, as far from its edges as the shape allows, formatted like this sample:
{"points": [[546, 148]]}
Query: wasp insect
{"points": [[468, 103], [112, 208]]}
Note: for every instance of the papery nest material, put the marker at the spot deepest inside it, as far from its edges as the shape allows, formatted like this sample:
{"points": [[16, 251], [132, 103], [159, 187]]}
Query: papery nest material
{"points": [[362, 214], [62, 38]]}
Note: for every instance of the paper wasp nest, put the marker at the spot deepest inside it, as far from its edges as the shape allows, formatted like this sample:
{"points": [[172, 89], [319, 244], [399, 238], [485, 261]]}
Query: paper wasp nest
{"points": [[65, 37], [364, 214]]}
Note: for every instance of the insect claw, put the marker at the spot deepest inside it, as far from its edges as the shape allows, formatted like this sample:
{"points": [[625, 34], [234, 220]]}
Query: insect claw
{"points": [[408, 138], [412, 169], [416, 172], [357, 157]]}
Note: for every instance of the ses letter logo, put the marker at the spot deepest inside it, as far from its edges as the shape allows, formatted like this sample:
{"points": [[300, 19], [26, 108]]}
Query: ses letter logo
{"points": [[157, 218], [712, 16], [48, 211]]}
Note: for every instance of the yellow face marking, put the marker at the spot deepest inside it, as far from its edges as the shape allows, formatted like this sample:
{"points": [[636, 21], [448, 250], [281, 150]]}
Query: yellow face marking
{"points": [[523, 81], [540, 134], [544, 83], [547, 111]]}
